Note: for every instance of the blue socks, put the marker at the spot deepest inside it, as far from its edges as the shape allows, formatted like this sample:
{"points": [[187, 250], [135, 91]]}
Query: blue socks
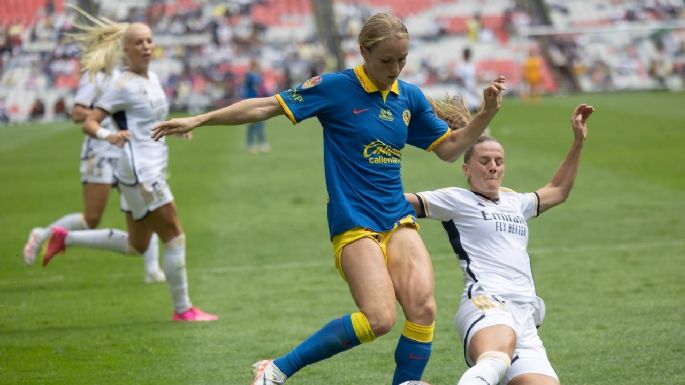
{"points": [[335, 337], [411, 358], [341, 334], [412, 352]]}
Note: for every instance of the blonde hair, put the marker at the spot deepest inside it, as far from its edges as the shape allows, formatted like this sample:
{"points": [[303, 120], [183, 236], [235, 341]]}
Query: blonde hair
{"points": [[101, 42], [452, 110], [380, 27]]}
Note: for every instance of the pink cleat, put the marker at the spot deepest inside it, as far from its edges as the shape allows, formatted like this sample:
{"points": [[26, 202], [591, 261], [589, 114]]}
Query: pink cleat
{"points": [[55, 244], [194, 315]]}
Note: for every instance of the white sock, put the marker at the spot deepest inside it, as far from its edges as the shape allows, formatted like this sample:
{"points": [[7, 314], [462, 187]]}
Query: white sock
{"points": [[175, 271], [151, 255], [490, 368], [74, 221], [104, 239]]}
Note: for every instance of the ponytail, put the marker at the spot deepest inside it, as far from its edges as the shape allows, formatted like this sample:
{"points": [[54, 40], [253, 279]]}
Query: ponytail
{"points": [[452, 110], [101, 43]]}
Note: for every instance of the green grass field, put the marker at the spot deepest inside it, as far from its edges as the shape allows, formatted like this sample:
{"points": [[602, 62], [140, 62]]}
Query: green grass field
{"points": [[609, 263]]}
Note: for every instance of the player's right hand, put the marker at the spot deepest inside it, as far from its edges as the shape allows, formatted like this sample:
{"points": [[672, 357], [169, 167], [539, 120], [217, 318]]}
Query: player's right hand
{"points": [[176, 126], [119, 138]]}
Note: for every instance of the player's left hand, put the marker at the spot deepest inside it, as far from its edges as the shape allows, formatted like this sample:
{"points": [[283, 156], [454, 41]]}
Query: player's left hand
{"points": [[492, 95], [578, 120]]}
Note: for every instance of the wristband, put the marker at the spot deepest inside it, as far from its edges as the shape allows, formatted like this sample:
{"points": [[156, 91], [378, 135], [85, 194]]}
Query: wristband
{"points": [[103, 133]]}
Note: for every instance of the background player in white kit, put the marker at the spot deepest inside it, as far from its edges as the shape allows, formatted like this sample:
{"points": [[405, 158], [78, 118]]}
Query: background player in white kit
{"points": [[99, 160], [467, 80], [136, 101], [487, 228]]}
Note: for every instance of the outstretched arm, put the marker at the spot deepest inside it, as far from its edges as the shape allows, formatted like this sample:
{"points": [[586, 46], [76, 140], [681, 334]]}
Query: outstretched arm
{"points": [[244, 111], [558, 189], [459, 140]]}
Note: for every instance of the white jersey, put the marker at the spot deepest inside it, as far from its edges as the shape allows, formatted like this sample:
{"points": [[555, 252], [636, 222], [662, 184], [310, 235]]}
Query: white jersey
{"points": [[489, 238], [136, 104], [89, 91]]}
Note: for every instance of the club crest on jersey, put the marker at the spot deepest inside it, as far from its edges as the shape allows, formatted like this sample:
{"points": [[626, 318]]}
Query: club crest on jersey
{"points": [[406, 116], [311, 82], [378, 152], [386, 115]]}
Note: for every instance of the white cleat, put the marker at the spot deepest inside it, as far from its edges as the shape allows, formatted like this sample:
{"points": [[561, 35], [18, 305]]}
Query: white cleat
{"points": [[33, 245], [266, 373], [156, 276]]}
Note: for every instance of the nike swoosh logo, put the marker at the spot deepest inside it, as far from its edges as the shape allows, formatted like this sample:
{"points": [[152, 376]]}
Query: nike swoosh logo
{"points": [[359, 111], [413, 356]]}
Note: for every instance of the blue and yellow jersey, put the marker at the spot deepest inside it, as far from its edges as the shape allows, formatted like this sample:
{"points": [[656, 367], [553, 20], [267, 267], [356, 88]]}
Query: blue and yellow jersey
{"points": [[364, 132]]}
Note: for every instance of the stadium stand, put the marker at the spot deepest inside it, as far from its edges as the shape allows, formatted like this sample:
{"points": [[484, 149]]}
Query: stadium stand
{"points": [[618, 45], [203, 46]]}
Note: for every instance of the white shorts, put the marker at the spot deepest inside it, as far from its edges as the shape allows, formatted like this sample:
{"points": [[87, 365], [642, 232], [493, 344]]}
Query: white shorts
{"points": [[143, 198], [98, 169], [483, 310]]}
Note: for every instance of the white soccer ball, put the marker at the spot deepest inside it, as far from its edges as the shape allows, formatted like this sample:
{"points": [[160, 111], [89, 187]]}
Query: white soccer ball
{"points": [[415, 383]]}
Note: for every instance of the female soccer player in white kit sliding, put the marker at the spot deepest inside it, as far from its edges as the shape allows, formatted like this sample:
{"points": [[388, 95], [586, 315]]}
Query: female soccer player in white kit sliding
{"points": [[136, 101], [99, 160], [487, 228]]}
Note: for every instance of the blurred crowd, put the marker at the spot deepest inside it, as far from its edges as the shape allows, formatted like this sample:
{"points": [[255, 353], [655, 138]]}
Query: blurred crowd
{"points": [[617, 45], [203, 47]]}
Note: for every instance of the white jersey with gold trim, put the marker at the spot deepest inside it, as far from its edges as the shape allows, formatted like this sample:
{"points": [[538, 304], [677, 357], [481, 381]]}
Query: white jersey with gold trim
{"points": [[490, 238], [88, 94], [136, 103]]}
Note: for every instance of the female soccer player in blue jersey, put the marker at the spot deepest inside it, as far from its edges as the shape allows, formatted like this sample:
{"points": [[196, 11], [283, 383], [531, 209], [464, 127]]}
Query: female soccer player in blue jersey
{"points": [[368, 116], [487, 226]]}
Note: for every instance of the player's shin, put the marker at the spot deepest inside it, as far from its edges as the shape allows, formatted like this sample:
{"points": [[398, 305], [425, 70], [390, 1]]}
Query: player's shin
{"points": [[337, 336], [412, 352], [104, 239], [175, 270], [151, 256], [490, 368], [73, 221]]}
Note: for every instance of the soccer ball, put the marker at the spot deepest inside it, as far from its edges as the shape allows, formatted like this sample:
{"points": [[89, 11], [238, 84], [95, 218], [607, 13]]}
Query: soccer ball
{"points": [[415, 383]]}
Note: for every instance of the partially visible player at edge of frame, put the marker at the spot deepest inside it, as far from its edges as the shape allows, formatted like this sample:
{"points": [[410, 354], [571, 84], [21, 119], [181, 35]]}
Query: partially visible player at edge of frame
{"points": [[98, 163], [135, 100], [487, 226], [368, 116]]}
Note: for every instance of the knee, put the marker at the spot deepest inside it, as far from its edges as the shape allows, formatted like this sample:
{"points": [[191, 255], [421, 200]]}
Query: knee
{"points": [[422, 310], [139, 245], [381, 320], [500, 338], [137, 248], [428, 310], [92, 221]]}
